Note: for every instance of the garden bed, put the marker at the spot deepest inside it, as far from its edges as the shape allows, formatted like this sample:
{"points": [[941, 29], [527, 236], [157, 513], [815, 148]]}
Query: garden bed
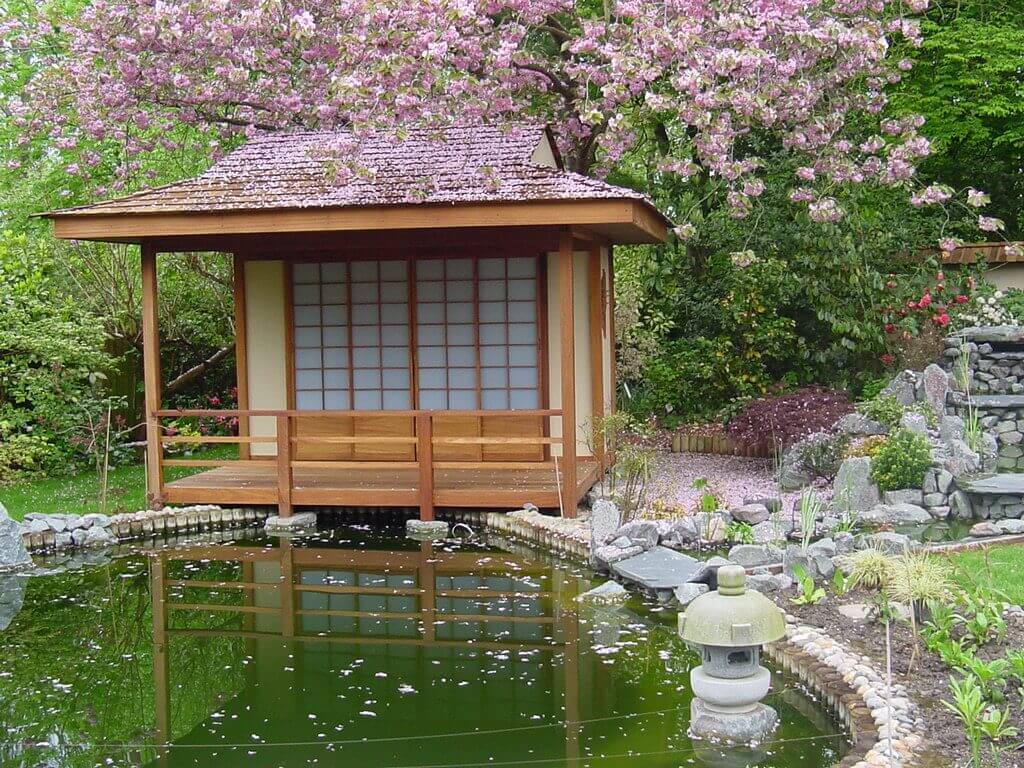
{"points": [[928, 682]]}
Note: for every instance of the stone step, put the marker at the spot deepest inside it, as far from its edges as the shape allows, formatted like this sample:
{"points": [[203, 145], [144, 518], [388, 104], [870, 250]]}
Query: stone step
{"points": [[658, 568], [997, 401], [1007, 483]]}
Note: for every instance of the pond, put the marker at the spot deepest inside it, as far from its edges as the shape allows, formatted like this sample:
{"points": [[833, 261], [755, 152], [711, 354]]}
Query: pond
{"points": [[385, 653]]}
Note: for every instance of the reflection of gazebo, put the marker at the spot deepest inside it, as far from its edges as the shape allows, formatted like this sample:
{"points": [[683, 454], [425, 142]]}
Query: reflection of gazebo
{"points": [[435, 331], [406, 607]]}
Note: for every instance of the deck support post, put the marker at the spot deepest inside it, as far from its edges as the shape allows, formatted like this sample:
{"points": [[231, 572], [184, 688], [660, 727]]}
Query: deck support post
{"points": [[161, 663], [284, 466], [567, 335], [241, 352], [151, 377], [597, 309], [425, 460]]}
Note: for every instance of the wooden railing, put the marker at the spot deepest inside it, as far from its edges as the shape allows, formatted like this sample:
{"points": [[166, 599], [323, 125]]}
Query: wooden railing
{"points": [[418, 447]]}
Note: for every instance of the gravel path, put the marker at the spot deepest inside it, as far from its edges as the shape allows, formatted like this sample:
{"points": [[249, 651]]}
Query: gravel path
{"points": [[733, 478]]}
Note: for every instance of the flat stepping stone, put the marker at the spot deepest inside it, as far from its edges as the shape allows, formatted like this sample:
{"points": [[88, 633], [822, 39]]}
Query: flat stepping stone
{"points": [[1008, 483], [997, 401], [658, 568]]}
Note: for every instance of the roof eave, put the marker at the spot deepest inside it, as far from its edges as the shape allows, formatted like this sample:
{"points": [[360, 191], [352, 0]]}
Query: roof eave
{"points": [[622, 220]]}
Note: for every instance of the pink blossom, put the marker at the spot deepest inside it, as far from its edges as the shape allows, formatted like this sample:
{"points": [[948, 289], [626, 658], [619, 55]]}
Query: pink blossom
{"points": [[977, 199], [990, 224]]}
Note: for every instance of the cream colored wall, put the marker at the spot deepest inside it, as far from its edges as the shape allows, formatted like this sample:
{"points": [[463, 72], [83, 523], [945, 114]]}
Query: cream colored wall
{"points": [[1008, 275], [544, 154], [265, 347], [581, 317]]}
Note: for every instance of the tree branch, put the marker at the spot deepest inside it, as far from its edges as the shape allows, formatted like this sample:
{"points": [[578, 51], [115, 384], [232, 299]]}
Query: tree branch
{"points": [[176, 385]]}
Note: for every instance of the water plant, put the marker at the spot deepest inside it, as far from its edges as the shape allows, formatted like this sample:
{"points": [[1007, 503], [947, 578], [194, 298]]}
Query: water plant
{"points": [[840, 583], [810, 507], [972, 422], [739, 533]]}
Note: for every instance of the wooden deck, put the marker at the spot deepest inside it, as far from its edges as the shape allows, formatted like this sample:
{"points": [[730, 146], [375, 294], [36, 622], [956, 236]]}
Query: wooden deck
{"points": [[489, 488]]}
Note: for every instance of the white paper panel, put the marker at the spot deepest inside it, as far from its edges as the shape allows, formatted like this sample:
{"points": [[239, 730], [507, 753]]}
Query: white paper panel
{"points": [[306, 273], [461, 356], [432, 378], [364, 271], [335, 336], [394, 292], [459, 268], [431, 357], [495, 400], [307, 337], [336, 357], [430, 269], [307, 358], [491, 268], [335, 378], [491, 378], [336, 400], [460, 334], [522, 377], [462, 378], [524, 398], [459, 312], [365, 314], [523, 354], [397, 400], [334, 272], [306, 294], [522, 333], [494, 355], [367, 400], [366, 379], [395, 378], [522, 267], [307, 316], [462, 400], [493, 334], [365, 357], [306, 378], [335, 314], [309, 401], [492, 312], [395, 357], [433, 399], [364, 293]]}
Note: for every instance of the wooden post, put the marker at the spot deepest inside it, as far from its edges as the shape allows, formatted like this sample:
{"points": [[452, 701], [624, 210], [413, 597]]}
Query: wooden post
{"points": [[284, 466], [614, 388], [597, 315], [151, 377], [427, 582], [567, 327], [425, 460], [241, 354], [287, 589]]}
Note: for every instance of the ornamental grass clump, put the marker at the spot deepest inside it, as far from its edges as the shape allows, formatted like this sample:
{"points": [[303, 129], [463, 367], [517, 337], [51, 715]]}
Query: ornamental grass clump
{"points": [[902, 462], [870, 568]]}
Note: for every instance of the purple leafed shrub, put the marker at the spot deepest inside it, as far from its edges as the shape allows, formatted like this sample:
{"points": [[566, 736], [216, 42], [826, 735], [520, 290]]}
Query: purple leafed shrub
{"points": [[784, 419]]}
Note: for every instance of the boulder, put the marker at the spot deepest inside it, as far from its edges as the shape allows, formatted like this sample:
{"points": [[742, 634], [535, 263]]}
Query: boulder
{"points": [[914, 422], [816, 560], [896, 514], [960, 459], [944, 481], [768, 531], [769, 582], [985, 528], [889, 542], [754, 555], [12, 549], [300, 522], [935, 388], [687, 593], [752, 514], [1012, 526], [98, 536], [859, 425], [794, 475], [641, 533], [903, 387], [904, 496], [854, 489], [773, 503], [951, 428], [846, 542], [609, 593], [707, 571], [960, 505], [12, 597], [605, 519], [606, 556]]}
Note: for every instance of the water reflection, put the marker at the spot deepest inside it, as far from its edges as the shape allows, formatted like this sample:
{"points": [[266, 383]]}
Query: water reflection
{"points": [[418, 619]]}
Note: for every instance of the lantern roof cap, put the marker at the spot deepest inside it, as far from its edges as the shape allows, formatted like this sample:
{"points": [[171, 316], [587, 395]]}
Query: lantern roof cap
{"points": [[732, 616]]}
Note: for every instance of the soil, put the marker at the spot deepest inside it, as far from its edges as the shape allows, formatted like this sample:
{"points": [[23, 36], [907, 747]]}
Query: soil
{"points": [[927, 682]]}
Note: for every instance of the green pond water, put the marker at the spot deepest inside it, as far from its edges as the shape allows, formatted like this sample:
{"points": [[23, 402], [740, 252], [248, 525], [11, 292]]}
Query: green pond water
{"points": [[386, 653]]}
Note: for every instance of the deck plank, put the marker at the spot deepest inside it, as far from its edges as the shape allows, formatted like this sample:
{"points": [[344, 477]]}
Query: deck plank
{"points": [[478, 486]]}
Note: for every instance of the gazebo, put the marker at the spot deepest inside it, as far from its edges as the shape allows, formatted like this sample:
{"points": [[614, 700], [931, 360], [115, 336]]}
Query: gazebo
{"points": [[423, 320]]}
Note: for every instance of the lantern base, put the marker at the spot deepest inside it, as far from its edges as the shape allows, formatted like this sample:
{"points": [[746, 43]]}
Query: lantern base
{"points": [[732, 727]]}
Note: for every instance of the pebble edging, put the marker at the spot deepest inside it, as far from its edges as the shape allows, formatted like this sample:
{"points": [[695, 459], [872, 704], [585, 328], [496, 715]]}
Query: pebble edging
{"points": [[849, 683], [42, 533]]}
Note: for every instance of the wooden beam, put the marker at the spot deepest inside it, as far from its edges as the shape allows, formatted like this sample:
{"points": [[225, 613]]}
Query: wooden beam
{"points": [[626, 220], [425, 458], [151, 376], [241, 352], [595, 295], [284, 467], [567, 328], [614, 388]]}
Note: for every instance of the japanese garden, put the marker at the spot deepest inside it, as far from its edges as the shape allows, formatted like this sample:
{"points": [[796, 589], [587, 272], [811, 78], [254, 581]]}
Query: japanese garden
{"points": [[439, 383]]}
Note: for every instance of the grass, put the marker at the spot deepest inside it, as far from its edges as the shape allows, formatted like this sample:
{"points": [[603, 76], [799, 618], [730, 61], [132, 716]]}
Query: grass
{"points": [[81, 493], [999, 567]]}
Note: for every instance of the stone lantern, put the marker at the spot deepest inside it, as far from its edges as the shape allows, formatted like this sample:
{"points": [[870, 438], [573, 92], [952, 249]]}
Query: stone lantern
{"points": [[728, 628]]}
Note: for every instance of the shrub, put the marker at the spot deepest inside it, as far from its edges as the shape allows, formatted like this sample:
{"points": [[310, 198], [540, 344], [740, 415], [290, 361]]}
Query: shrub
{"points": [[869, 568], [885, 409], [823, 452], [785, 419], [902, 461], [23, 454], [865, 446]]}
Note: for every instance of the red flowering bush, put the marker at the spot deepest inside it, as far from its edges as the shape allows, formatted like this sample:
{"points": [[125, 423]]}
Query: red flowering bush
{"points": [[782, 420], [926, 309]]}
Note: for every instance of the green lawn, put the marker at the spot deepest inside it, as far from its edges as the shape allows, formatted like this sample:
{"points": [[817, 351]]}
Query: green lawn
{"points": [[80, 493], [999, 567]]}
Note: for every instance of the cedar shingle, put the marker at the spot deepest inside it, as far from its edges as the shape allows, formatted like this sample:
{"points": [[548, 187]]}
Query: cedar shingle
{"points": [[291, 170]]}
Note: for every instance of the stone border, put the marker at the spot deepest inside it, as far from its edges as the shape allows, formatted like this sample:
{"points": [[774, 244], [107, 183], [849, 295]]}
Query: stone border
{"points": [[40, 534], [562, 536], [850, 685]]}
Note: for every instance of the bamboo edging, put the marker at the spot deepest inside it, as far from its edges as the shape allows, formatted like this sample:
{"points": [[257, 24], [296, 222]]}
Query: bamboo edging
{"points": [[722, 445]]}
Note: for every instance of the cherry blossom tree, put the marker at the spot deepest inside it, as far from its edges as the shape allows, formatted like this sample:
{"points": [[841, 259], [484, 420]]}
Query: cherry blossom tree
{"points": [[128, 78]]}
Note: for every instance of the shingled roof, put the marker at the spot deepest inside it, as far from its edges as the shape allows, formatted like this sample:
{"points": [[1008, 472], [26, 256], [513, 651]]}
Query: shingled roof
{"points": [[290, 170]]}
